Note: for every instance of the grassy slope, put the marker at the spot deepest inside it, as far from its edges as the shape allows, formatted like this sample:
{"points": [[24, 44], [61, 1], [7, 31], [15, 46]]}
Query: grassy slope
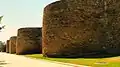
{"points": [[94, 62]]}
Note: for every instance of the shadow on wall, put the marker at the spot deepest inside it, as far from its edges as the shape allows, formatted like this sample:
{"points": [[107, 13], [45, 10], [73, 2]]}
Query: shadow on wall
{"points": [[99, 54]]}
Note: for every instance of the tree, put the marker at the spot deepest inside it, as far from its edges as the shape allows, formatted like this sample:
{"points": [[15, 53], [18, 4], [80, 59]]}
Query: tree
{"points": [[1, 19], [2, 46], [2, 27]]}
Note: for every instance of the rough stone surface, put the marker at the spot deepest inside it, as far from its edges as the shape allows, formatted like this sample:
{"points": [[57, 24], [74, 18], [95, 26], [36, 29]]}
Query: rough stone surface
{"points": [[29, 41], [73, 28], [7, 46], [12, 45]]}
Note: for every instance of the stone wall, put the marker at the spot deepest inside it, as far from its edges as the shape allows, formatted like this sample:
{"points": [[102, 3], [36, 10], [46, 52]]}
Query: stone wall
{"points": [[12, 45], [73, 28], [29, 41], [7, 46]]}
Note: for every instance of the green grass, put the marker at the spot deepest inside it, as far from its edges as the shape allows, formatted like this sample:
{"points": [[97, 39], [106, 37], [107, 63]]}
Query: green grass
{"points": [[94, 62]]}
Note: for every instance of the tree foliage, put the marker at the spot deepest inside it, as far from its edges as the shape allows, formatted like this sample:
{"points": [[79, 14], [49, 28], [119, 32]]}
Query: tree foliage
{"points": [[2, 46]]}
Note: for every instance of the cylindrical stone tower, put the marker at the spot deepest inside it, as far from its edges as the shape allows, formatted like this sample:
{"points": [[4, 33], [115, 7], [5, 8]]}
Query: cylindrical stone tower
{"points": [[73, 28], [29, 41], [7, 46], [12, 44]]}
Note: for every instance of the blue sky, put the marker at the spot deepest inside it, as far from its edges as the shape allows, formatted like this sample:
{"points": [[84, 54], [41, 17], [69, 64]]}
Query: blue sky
{"points": [[21, 13]]}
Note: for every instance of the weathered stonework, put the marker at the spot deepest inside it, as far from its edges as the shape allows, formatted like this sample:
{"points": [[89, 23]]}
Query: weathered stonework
{"points": [[73, 28], [7, 46], [29, 41], [12, 45]]}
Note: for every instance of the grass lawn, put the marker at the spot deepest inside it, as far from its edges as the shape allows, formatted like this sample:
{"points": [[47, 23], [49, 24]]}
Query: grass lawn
{"points": [[94, 62]]}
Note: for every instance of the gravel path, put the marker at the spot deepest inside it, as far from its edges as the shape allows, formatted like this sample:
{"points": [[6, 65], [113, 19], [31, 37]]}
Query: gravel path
{"points": [[10, 60]]}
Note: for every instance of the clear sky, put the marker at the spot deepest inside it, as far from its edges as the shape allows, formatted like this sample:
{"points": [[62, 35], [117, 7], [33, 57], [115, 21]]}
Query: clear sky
{"points": [[21, 13]]}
